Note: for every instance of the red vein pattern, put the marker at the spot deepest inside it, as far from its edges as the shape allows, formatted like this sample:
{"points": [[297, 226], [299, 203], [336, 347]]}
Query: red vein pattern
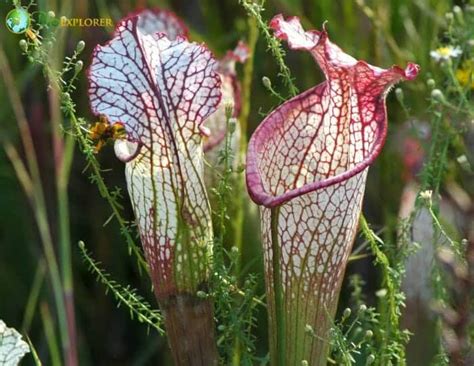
{"points": [[307, 163], [157, 20], [151, 21], [162, 90], [230, 95]]}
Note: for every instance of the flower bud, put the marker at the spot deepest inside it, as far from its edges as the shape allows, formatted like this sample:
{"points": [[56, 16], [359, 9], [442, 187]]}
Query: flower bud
{"points": [[431, 83], [464, 162], [381, 293], [51, 14], [347, 313], [458, 14], [357, 332], [23, 45], [437, 95], [267, 83], [201, 294], [78, 67], [80, 46], [449, 17], [370, 360], [363, 308], [369, 334], [229, 110]]}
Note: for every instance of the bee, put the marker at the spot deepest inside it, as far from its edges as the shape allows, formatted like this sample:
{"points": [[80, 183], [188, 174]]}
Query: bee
{"points": [[102, 131], [31, 34]]}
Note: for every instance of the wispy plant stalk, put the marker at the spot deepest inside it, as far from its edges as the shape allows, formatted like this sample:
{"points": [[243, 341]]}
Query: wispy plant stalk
{"points": [[32, 184]]}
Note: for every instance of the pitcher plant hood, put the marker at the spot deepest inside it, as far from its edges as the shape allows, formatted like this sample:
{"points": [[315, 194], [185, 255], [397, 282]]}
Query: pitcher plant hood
{"points": [[327, 134]]}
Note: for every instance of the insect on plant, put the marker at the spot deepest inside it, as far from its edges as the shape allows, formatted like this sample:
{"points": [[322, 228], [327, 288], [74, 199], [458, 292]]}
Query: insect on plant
{"points": [[103, 132]]}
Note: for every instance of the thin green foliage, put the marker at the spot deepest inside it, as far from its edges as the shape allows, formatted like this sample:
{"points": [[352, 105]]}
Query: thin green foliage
{"points": [[449, 110], [34, 353], [138, 307], [38, 48], [254, 10], [50, 334], [234, 306], [391, 339], [34, 295], [352, 336], [111, 196], [37, 51]]}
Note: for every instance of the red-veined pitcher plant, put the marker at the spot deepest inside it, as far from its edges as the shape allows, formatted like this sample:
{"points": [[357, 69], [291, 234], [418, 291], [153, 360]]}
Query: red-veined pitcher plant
{"points": [[307, 165], [162, 88]]}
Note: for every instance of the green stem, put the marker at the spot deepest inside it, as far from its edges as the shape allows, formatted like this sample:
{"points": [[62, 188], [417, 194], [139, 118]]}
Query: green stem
{"points": [[279, 317], [254, 11], [243, 122], [393, 320], [63, 150], [48, 326], [33, 297], [239, 186], [63, 213], [125, 295], [45, 234], [62, 179], [247, 82]]}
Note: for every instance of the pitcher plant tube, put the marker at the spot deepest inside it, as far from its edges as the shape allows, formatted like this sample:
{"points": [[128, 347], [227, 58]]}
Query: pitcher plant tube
{"points": [[307, 164], [162, 88]]}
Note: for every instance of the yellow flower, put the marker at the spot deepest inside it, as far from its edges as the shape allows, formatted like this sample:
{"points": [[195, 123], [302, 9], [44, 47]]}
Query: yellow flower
{"points": [[465, 74]]}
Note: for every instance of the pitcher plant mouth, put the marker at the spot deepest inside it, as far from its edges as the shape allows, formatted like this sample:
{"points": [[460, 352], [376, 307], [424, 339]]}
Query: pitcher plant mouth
{"points": [[362, 82]]}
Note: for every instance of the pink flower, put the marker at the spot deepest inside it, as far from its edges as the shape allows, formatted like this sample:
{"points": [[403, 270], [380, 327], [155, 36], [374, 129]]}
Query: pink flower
{"points": [[307, 164]]}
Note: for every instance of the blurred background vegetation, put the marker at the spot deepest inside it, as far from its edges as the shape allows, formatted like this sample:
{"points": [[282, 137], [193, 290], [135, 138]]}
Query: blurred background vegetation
{"points": [[381, 32]]}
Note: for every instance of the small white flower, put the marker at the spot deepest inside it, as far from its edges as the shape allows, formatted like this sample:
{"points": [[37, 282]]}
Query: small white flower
{"points": [[426, 195], [445, 53]]}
